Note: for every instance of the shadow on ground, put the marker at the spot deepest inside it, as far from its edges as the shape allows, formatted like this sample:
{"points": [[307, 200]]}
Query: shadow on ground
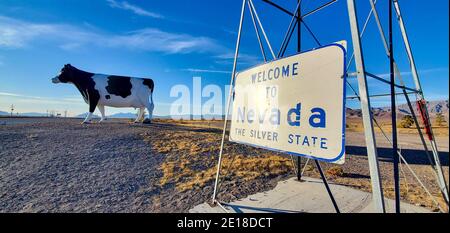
{"points": [[241, 208], [412, 156]]}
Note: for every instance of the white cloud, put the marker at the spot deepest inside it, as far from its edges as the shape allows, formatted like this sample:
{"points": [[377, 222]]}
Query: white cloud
{"points": [[207, 71], [152, 39], [408, 73], [243, 58], [13, 33], [18, 34], [41, 100], [9, 94], [124, 5]]}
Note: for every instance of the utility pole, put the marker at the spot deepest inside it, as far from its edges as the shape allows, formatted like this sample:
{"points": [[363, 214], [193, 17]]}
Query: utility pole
{"points": [[12, 109]]}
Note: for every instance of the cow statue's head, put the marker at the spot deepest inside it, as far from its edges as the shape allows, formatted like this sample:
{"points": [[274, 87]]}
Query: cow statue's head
{"points": [[65, 75]]}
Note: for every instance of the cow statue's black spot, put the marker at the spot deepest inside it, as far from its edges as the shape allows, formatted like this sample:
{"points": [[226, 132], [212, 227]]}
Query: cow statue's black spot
{"points": [[118, 85], [107, 97], [149, 83]]}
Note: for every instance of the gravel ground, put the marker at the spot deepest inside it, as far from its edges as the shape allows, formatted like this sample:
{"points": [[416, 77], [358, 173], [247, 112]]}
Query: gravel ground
{"points": [[59, 165]]}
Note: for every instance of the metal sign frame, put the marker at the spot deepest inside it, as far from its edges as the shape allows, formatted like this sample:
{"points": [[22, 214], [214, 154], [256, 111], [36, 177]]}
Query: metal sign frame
{"points": [[362, 95]]}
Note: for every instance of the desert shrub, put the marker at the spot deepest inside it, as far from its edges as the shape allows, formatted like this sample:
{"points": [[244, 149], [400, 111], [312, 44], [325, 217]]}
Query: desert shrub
{"points": [[335, 171], [406, 122], [440, 120]]}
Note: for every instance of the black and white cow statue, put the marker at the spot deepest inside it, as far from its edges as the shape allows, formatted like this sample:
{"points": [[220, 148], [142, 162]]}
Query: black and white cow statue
{"points": [[99, 90]]}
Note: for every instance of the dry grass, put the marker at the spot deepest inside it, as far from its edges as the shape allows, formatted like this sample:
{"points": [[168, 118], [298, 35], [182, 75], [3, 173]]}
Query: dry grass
{"points": [[355, 125], [191, 160], [335, 171]]}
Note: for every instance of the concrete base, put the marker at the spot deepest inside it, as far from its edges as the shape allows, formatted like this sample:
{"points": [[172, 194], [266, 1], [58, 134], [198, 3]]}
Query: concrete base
{"points": [[291, 196]]}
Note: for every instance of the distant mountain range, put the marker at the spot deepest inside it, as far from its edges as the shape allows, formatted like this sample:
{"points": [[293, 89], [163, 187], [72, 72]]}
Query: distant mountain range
{"points": [[83, 115], [434, 107], [123, 115]]}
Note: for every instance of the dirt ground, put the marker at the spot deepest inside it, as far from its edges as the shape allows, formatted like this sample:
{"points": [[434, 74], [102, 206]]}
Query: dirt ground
{"points": [[59, 165]]}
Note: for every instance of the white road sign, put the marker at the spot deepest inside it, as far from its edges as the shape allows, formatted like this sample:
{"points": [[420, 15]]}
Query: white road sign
{"points": [[294, 105]]}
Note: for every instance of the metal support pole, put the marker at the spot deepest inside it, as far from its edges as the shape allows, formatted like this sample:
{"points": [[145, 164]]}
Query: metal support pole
{"points": [[310, 32], [233, 74], [407, 45], [325, 182], [278, 7], [388, 82], [261, 46], [365, 106], [441, 178], [287, 37], [299, 43], [299, 16], [360, 36], [393, 115], [319, 8], [262, 29]]}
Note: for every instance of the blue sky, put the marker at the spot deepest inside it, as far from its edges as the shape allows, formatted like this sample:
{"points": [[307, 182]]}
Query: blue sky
{"points": [[172, 41]]}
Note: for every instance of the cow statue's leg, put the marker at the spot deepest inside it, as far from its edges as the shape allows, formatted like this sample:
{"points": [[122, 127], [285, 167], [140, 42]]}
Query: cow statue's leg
{"points": [[150, 111], [93, 97], [101, 108], [150, 106], [88, 118], [140, 115]]}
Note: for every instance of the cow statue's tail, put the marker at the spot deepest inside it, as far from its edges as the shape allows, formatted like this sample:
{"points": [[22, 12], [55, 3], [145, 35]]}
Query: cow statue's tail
{"points": [[151, 98], [150, 106], [152, 87]]}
